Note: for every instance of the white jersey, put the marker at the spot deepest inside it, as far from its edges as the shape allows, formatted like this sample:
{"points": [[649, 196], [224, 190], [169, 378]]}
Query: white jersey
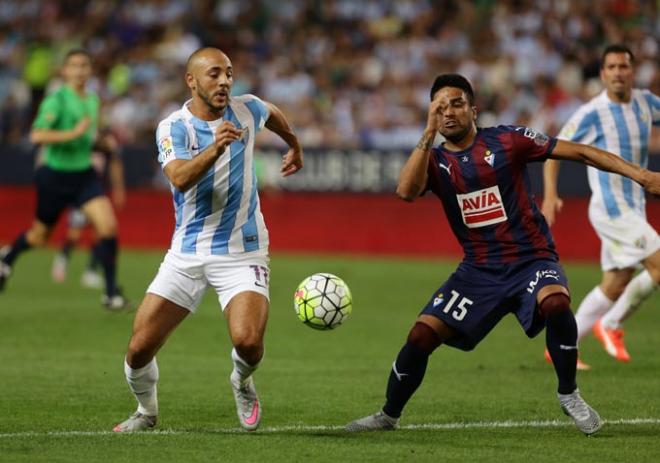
{"points": [[623, 129], [221, 214]]}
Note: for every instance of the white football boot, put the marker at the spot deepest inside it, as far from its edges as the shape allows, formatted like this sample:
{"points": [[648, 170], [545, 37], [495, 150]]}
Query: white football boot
{"points": [[136, 422], [586, 418], [248, 407], [376, 422]]}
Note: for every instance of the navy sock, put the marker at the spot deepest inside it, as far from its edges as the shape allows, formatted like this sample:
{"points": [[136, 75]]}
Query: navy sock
{"points": [[20, 245], [94, 257], [67, 247], [406, 376], [108, 256], [561, 341]]}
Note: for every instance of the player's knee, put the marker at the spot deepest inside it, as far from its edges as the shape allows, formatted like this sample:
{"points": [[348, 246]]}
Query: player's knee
{"points": [[554, 303], [613, 285], [137, 357], [107, 230], [614, 290], [249, 345], [424, 337], [654, 273], [37, 236], [140, 351]]}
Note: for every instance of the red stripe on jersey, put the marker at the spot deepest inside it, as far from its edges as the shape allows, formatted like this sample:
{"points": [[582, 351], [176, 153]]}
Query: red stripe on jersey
{"points": [[483, 211], [525, 206], [483, 216], [508, 246], [479, 245]]}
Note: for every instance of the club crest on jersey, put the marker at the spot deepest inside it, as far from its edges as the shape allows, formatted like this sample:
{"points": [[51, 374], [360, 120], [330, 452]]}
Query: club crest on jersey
{"points": [[438, 300], [482, 207], [489, 157], [465, 158], [640, 243]]}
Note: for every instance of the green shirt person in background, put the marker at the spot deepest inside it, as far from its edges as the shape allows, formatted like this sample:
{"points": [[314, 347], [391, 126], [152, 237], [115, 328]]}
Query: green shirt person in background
{"points": [[63, 110], [66, 125]]}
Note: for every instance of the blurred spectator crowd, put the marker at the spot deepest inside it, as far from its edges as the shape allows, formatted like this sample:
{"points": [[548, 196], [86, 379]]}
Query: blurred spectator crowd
{"points": [[348, 73]]}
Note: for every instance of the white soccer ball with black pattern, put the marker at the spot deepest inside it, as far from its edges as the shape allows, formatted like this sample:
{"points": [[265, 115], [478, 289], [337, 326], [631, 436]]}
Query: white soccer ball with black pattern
{"points": [[323, 301]]}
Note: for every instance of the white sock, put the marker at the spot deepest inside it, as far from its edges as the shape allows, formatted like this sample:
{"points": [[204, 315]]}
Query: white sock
{"points": [[636, 292], [242, 369], [592, 307], [142, 382]]}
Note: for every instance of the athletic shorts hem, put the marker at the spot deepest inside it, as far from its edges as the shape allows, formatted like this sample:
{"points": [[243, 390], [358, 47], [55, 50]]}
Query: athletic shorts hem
{"points": [[190, 307], [226, 298]]}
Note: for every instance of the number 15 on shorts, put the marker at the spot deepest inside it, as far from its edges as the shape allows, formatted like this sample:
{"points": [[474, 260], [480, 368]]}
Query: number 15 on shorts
{"points": [[461, 308]]}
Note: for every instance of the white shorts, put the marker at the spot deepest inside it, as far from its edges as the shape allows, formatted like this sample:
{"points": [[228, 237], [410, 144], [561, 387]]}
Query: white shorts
{"points": [[625, 241], [183, 278]]}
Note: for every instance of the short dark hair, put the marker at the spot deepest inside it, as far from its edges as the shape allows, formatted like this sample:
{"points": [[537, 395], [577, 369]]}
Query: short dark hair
{"points": [[77, 51], [616, 48], [453, 80]]}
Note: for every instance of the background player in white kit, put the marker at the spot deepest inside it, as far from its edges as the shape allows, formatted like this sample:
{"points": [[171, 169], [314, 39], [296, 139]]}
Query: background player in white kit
{"points": [[618, 120], [220, 240]]}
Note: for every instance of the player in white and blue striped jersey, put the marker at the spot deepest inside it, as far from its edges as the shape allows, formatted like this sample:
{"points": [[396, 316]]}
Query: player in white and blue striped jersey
{"points": [[619, 120], [220, 240]]}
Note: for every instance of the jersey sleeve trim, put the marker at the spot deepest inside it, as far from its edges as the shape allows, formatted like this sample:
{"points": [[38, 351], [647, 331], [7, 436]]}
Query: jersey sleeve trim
{"points": [[259, 110], [653, 101], [173, 142]]}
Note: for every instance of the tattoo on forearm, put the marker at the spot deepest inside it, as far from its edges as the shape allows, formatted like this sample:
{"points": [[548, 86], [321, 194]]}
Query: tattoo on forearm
{"points": [[426, 142]]}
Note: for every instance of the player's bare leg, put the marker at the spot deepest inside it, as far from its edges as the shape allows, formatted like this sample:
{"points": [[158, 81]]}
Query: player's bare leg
{"points": [[154, 322], [247, 315], [37, 235], [407, 373], [608, 329], [102, 217], [553, 303]]}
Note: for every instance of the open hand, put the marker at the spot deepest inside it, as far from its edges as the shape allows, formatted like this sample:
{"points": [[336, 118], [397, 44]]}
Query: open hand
{"points": [[550, 207], [292, 162], [651, 182]]}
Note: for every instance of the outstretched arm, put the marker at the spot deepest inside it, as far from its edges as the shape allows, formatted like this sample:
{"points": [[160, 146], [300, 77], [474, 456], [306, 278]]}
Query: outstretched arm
{"points": [[414, 174], [552, 203], [292, 161], [603, 160]]}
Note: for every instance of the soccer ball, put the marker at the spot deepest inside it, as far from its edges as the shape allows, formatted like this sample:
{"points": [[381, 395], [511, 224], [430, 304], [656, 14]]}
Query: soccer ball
{"points": [[322, 301]]}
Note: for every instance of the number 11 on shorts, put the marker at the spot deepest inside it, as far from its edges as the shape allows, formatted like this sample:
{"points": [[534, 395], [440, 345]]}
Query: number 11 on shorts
{"points": [[462, 307]]}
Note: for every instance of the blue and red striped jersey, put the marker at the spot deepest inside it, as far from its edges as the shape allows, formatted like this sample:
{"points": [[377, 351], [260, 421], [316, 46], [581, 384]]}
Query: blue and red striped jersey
{"points": [[487, 196]]}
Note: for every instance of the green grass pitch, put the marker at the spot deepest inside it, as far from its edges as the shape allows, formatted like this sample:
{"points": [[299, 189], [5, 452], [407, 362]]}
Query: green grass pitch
{"points": [[63, 387]]}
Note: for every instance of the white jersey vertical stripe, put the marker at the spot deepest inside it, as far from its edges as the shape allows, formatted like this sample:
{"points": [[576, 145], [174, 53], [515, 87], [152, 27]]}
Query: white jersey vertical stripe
{"points": [[622, 129], [220, 214]]}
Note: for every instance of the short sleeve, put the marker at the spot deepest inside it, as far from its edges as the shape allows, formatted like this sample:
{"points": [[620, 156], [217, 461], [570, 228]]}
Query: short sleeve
{"points": [[529, 145], [654, 105], [259, 111], [172, 141], [48, 112], [581, 127]]}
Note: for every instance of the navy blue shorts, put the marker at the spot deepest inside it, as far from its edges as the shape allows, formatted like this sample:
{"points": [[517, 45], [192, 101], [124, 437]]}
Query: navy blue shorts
{"points": [[475, 298], [58, 190]]}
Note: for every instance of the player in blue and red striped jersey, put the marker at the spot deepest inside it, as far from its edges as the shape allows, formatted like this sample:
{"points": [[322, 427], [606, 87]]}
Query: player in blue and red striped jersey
{"points": [[510, 263]]}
